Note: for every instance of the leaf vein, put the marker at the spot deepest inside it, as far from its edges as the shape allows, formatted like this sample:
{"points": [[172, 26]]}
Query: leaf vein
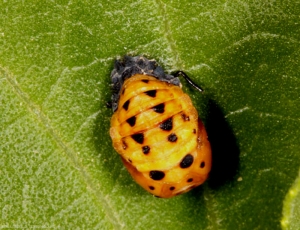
{"points": [[168, 33], [34, 109]]}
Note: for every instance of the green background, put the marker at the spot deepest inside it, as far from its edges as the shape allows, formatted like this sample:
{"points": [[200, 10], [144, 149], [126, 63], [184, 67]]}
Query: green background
{"points": [[57, 165]]}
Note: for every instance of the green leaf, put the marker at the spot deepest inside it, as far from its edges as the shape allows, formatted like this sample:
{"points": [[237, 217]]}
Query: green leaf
{"points": [[57, 165], [291, 210]]}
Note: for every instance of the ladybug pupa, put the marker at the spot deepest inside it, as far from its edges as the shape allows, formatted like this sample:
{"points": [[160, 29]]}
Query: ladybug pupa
{"points": [[156, 130]]}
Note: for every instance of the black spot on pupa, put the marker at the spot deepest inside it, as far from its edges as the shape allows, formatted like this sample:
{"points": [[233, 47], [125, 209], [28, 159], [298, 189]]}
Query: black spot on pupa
{"points": [[131, 121], [156, 175], [146, 81], [167, 124], [185, 117], [139, 137], [146, 149], [126, 104], [124, 145], [160, 108], [151, 188], [151, 93], [202, 165], [172, 137], [123, 91], [130, 161], [194, 130], [172, 188], [187, 161], [190, 180]]}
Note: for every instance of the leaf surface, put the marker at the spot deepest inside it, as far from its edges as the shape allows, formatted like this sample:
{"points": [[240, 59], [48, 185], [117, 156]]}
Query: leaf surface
{"points": [[57, 165]]}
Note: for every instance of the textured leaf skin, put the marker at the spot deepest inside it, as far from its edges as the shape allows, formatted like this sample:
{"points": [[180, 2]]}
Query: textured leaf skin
{"points": [[57, 165]]}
